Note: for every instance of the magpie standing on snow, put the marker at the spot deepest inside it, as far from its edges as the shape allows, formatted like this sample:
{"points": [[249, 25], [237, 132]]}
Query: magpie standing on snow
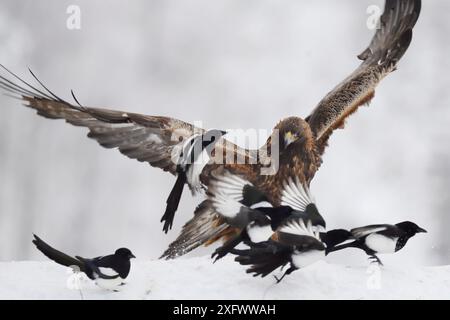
{"points": [[108, 272], [231, 196], [381, 238], [194, 156]]}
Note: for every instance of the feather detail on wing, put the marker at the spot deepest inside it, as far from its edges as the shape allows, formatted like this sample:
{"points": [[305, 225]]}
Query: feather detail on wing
{"points": [[234, 186], [296, 195], [153, 139], [205, 227], [299, 227], [364, 231], [229, 185], [387, 47], [225, 206]]}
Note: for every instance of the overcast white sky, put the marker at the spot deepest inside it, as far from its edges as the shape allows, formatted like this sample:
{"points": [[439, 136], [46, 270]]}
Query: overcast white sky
{"points": [[229, 64]]}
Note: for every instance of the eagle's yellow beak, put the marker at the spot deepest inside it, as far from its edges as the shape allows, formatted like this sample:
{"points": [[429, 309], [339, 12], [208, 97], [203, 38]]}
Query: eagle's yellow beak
{"points": [[289, 137]]}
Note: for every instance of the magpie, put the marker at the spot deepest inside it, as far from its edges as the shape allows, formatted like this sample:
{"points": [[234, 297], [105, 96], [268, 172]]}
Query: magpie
{"points": [[231, 196], [295, 243], [335, 237], [194, 156], [108, 272], [152, 139], [381, 238]]}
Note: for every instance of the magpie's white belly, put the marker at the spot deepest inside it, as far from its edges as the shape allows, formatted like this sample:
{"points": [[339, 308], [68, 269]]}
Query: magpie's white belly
{"points": [[380, 243], [259, 234], [109, 284], [303, 259]]}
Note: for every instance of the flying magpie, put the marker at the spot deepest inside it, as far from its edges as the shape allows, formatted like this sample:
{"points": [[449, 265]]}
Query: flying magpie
{"points": [[231, 196], [193, 157], [381, 238], [108, 272]]}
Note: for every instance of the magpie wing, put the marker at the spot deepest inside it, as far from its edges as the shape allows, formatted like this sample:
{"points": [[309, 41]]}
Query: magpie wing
{"points": [[234, 186], [95, 271], [296, 195], [366, 230], [209, 224], [298, 232]]}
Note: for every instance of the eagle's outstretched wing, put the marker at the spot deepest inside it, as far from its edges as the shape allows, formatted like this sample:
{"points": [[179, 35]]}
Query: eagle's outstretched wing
{"points": [[151, 139], [388, 45]]}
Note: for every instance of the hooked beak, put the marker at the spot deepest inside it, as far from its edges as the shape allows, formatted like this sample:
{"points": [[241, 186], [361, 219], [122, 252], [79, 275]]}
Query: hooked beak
{"points": [[289, 138], [422, 230], [223, 132]]}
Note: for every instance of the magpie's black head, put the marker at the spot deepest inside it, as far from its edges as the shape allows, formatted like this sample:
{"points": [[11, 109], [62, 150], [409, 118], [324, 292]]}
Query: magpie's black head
{"points": [[336, 236], [410, 228], [124, 253]]}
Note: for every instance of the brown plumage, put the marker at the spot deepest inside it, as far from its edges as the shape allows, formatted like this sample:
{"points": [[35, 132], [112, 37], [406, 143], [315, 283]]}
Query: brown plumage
{"points": [[157, 140], [388, 45]]}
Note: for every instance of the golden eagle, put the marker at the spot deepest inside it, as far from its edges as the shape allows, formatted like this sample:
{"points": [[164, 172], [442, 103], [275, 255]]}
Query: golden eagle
{"points": [[302, 142]]}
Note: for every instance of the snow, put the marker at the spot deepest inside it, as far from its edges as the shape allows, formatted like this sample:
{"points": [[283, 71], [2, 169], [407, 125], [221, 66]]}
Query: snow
{"points": [[199, 278]]}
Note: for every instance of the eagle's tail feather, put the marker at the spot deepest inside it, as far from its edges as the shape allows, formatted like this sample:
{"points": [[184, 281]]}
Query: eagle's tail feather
{"points": [[204, 228]]}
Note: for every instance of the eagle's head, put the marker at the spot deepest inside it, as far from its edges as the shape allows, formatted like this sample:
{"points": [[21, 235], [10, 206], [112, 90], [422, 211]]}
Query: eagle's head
{"points": [[294, 132]]}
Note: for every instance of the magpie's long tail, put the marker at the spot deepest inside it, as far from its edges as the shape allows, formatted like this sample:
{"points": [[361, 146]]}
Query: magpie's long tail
{"points": [[57, 256], [172, 201]]}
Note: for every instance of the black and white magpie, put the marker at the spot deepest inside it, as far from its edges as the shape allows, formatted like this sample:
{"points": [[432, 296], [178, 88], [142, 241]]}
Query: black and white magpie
{"points": [[381, 238], [193, 157], [335, 237], [295, 243], [108, 272], [231, 195]]}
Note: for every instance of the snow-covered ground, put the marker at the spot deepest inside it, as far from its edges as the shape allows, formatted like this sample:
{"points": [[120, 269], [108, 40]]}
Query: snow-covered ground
{"points": [[199, 278]]}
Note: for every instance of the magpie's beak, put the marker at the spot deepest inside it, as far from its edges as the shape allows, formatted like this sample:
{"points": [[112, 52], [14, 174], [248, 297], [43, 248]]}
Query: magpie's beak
{"points": [[421, 230], [132, 256]]}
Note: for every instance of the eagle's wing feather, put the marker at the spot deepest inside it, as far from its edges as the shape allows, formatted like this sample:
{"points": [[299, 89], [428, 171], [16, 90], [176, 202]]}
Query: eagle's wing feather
{"points": [[388, 45], [157, 140], [151, 139]]}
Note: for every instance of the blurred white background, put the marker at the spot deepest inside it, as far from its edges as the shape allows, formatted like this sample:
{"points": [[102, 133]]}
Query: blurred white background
{"points": [[230, 64]]}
